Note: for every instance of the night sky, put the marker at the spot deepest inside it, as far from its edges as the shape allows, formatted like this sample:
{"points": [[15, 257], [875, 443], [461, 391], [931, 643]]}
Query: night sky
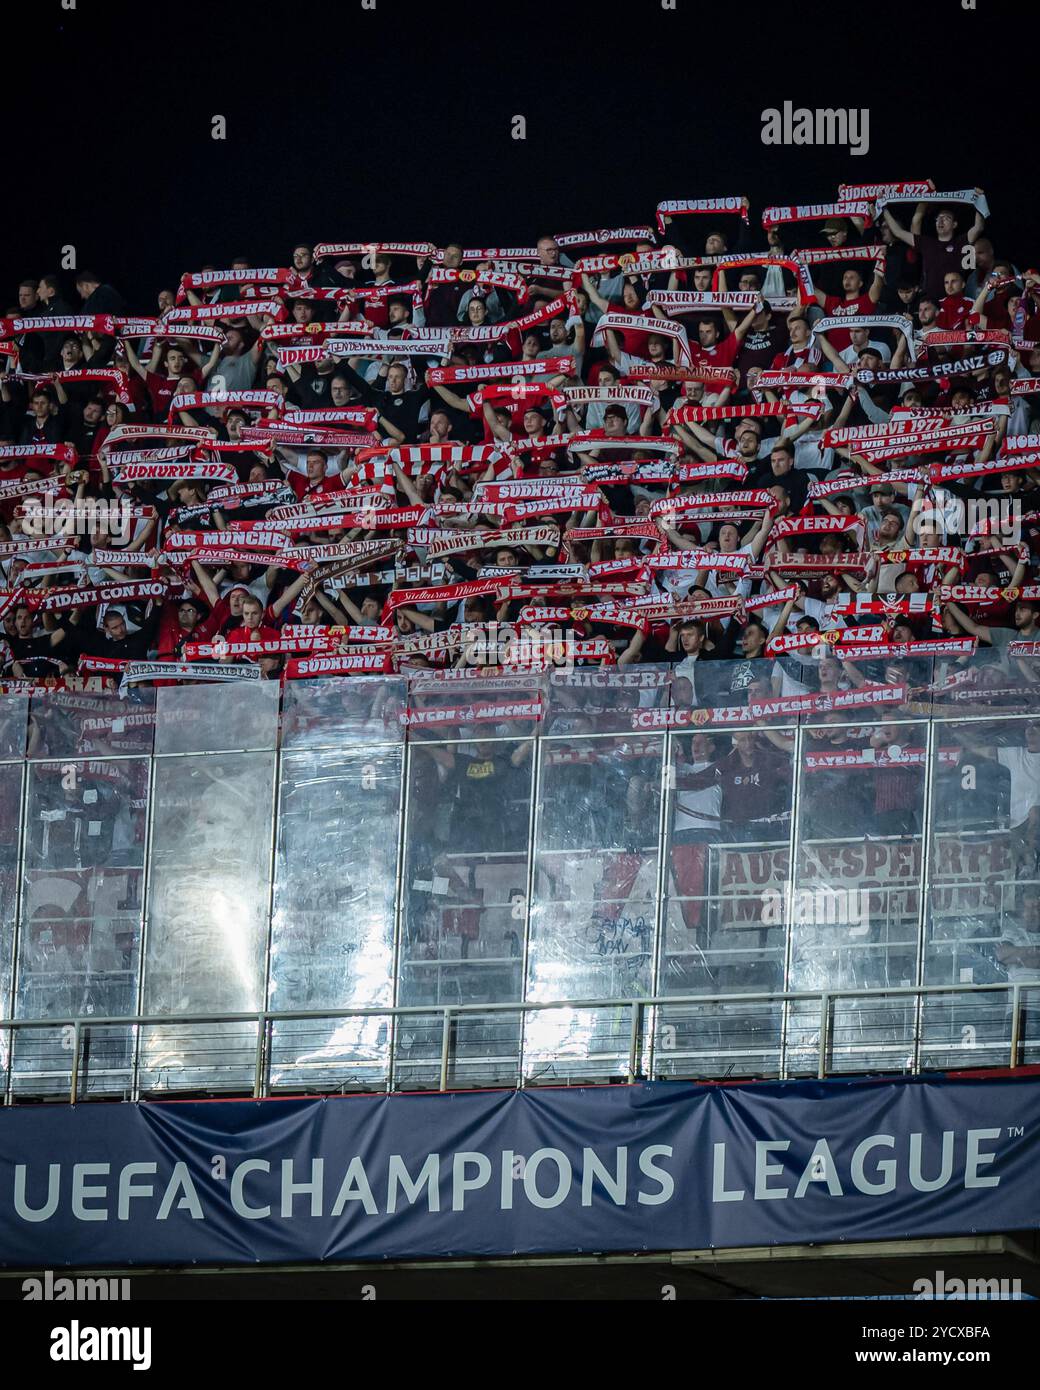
{"points": [[394, 124]]}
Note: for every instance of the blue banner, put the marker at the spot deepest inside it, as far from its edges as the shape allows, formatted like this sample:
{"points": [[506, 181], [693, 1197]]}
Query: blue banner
{"points": [[657, 1166]]}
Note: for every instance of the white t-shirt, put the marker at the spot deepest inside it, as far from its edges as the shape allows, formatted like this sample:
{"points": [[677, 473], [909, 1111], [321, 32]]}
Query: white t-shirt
{"points": [[698, 810], [1024, 768], [1012, 934]]}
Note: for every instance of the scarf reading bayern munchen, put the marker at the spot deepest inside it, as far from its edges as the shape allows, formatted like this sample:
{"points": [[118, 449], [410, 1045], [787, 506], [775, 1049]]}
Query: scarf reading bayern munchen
{"points": [[117, 382]]}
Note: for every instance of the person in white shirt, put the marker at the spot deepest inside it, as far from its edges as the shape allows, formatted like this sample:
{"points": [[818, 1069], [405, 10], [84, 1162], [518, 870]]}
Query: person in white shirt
{"points": [[1018, 949]]}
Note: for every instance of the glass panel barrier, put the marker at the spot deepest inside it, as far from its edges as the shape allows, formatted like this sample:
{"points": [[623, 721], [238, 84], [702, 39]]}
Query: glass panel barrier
{"points": [[984, 886], [595, 897], [334, 712], [14, 717], [906, 851], [332, 931], [855, 903], [463, 898], [11, 775], [211, 718], [80, 937], [728, 825], [208, 903], [92, 724]]}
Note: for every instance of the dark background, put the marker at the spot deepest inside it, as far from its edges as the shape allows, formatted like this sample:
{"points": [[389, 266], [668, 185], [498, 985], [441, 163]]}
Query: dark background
{"points": [[394, 124]]}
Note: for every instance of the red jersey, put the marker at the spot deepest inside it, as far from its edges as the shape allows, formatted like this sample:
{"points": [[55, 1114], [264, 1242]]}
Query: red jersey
{"points": [[953, 311], [162, 389], [263, 633], [722, 354], [306, 491], [841, 308]]}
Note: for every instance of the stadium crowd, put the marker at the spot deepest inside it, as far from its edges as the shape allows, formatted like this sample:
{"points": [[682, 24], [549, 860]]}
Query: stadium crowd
{"points": [[772, 457]]}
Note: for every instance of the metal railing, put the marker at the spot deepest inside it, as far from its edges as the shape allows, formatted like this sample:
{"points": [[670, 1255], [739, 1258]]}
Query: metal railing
{"points": [[639, 1059]]}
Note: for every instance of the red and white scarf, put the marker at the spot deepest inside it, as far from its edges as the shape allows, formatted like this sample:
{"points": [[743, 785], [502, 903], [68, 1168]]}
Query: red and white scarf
{"points": [[819, 212], [710, 376], [55, 453], [330, 250], [281, 277], [363, 416], [757, 498], [102, 324], [802, 641], [500, 371], [684, 207], [61, 600], [491, 279], [948, 472], [965, 195], [178, 472], [117, 382], [222, 313], [605, 236], [593, 441], [138, 671], [266, 430], [617, 322], [788, 379], [824, 255], [900, 651], [460, 542], [226, 400], [898, 323], [872, 191]]}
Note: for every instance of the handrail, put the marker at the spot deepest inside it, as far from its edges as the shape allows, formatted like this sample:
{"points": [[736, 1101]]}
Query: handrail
{"points": [[449, 1014], [516, 1006]]}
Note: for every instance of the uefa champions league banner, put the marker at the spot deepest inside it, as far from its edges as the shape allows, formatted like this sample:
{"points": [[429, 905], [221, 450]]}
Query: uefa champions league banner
{"points": [[646, 1167]]}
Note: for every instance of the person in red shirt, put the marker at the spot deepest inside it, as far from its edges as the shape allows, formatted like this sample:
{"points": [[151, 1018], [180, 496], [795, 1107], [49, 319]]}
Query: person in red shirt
{"points": [[254, 629], [852, 302], [955, 308], [163, 371], [803, 354], [713, 353], [314, 479]]}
